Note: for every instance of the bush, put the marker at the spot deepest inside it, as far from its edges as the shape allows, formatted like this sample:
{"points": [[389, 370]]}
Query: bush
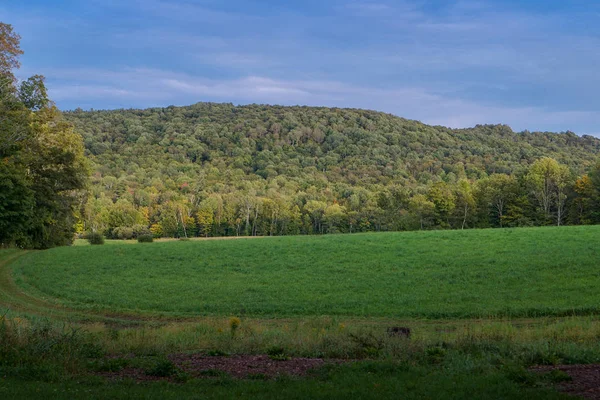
{"points": [[95, 238], [145, 239], [163, 368], [123, 232], [277, 353], [139, 230]]}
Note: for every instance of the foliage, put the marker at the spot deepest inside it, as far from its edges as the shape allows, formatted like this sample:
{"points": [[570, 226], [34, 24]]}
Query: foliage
{"points": [[223, 170], [95, 238], [42, 164], [162, 368], [234, 324], [145, 239]]}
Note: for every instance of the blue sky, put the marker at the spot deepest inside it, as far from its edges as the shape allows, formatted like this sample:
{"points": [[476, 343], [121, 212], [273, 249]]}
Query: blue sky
{"points": [[530, 64]]}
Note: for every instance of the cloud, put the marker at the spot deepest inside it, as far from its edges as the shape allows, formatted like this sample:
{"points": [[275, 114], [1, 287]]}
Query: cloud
{"points": [[456, 63], [159, 87]]}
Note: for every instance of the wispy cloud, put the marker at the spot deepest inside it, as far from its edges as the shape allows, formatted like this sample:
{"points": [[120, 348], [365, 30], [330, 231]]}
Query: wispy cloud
{"points": [[456, 63], [157, 87]]}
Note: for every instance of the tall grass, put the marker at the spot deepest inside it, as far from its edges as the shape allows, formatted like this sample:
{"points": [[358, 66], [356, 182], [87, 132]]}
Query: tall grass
{"points": [[485, 360]]}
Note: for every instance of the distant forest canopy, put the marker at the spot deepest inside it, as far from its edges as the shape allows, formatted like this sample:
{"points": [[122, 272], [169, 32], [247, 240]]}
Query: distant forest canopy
{"points": [[224, 170]]}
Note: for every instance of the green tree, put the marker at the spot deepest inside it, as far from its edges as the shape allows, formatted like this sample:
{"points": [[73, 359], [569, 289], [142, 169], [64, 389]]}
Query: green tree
{"points": [[444, 200], [465, 201], [495, 194], [548, 181], [205, 217], [421, 207], [42, 158]]}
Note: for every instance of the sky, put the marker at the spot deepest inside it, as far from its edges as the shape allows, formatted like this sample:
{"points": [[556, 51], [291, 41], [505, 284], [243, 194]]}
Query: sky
{"points": [[533, 65]]}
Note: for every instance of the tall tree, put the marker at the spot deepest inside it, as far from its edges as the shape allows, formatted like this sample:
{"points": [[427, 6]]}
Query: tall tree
{"points": [[43, 169], [548, 181]]}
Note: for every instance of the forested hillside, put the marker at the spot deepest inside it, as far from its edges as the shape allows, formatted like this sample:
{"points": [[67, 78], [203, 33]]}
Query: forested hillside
{"points": [[218, 169]]}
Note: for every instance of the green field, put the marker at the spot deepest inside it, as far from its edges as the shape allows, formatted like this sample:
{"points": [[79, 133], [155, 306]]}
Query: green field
{"points": [[484, 306], [438, 274]]}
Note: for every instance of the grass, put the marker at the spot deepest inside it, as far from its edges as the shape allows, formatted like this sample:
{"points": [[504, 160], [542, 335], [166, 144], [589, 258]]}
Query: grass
{"points": [[132, 305], [43, 360], [332, 297], [441, 274], [360, 381]]}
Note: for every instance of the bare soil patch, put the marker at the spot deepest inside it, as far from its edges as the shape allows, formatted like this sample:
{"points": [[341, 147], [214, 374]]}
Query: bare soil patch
{"points": [[585, 379], [237, 366]]}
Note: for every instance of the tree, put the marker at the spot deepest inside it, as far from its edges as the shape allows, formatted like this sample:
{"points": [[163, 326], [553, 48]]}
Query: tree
{"points": [[33, 93], [43, 168], [10, 50], [333, 217], [422, 208], [316, 210], [465, 201], [16, 205], [583, 203], [205, 217], [548, 181], [441, 195], [495, 194]]}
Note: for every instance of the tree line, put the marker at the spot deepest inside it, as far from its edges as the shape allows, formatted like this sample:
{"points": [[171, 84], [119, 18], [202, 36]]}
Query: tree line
{"points": [[223, 170]]}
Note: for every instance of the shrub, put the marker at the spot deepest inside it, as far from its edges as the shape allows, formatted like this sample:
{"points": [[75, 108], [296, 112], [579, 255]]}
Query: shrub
{"points": [[163, 368], [234, 324], [139, 230], [277, 353], [145, 239], [123, 232], [95, 238]]}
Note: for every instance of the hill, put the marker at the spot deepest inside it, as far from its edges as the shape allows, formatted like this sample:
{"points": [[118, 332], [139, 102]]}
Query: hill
{"points": [[219, 169]]}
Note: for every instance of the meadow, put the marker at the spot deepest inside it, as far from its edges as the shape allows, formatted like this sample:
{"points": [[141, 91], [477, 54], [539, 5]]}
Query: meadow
{"points": [[127, 320], [437, 274]]}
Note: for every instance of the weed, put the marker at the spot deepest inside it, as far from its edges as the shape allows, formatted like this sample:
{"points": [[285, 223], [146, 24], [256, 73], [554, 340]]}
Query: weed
{"points": [[162, 368], [234, 324], [558, 376], [368, 343], [277, 353], [217, 353], [435, 355]]}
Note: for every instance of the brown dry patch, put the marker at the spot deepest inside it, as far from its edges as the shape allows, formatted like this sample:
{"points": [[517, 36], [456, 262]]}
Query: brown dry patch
{"points": [[585, 383], [237, 366]]}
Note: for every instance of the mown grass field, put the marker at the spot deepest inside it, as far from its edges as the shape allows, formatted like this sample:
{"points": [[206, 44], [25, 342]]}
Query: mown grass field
{"points": [[440, 274]]}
